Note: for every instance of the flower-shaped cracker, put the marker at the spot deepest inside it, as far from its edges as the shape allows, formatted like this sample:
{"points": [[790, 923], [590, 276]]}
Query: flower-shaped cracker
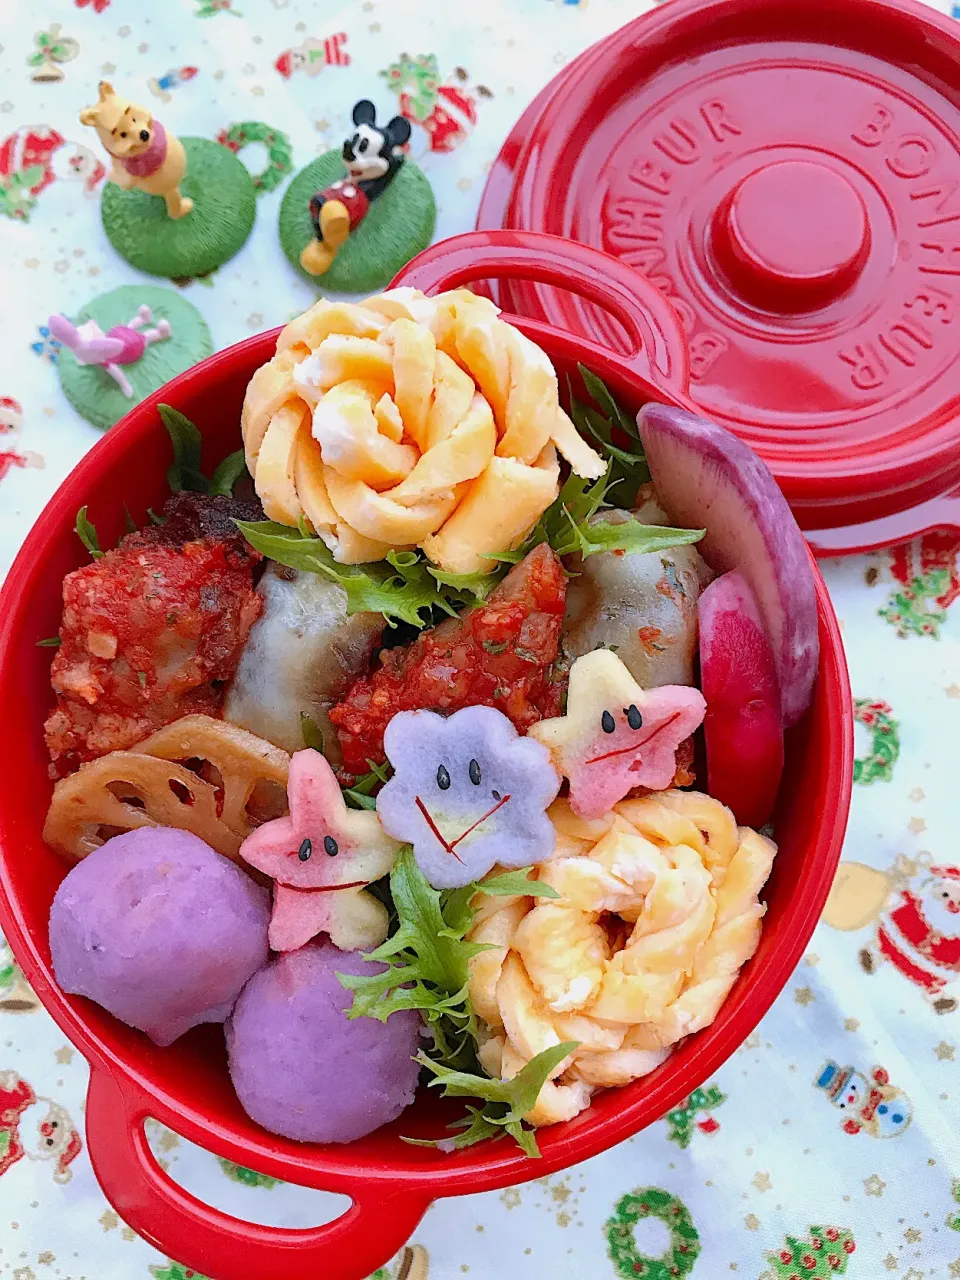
{"points": [[321, 856], [615, 736], [468, 792], [409, 421]]}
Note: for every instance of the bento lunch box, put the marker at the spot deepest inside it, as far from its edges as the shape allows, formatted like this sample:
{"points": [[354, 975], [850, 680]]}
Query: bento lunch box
{"points": [[186, 1085]]}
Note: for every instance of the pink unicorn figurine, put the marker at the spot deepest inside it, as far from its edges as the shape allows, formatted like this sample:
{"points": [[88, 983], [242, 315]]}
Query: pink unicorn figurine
{"points": [[123, 344]]}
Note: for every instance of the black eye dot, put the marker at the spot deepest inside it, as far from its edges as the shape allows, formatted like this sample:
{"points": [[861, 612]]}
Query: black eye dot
{"points": [[474, 773], [363, 145], [634, 718], [305, 850], [607, 722], [123, 135], [443, 778], [330, 847], [49, 1142], [54, 1123]]}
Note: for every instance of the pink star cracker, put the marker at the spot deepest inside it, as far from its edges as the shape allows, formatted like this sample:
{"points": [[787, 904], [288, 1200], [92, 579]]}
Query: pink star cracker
{"points": [[322, 856], [615, 736]]}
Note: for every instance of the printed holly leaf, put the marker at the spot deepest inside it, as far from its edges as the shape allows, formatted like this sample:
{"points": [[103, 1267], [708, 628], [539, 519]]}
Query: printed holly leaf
{"points": [[175, 1271], [419, 79]]}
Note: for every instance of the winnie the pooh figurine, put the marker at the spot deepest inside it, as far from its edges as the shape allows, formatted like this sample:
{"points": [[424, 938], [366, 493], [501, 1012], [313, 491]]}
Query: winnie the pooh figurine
{"points": [[145, 157]]}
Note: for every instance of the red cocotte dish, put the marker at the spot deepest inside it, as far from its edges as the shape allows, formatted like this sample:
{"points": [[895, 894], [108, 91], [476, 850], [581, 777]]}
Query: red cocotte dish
{"points": [[185, 1085], [787, 175]]}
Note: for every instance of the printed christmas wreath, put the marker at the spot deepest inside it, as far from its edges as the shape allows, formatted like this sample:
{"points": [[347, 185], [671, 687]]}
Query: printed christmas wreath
{"points": [[652, 1202], [278, 148], [877, 764]]}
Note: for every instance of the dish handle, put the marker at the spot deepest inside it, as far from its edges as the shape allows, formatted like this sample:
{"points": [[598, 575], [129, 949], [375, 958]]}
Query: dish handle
{"points": [[374, 1228], [659, 353]]}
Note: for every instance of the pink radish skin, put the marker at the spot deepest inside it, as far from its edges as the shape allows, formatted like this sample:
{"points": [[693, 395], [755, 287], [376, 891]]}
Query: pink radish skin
{"points": [[743, 725], [707, 478]]}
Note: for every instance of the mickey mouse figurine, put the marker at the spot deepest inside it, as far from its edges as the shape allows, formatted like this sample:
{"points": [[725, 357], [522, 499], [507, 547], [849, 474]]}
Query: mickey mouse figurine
{"points": [[373, 157]]}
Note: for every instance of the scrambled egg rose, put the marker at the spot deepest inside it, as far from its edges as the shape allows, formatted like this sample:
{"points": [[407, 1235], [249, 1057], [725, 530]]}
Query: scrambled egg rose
{"points": [[657, 912], [407, 421]]}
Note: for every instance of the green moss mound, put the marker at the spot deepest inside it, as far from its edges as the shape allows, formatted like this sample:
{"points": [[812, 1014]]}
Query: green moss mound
{"points": [[91, 390], [399, 225], [224, 207]]}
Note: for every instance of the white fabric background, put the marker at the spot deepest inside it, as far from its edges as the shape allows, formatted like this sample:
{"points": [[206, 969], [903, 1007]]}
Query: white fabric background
{"points": [[779, 1162]]}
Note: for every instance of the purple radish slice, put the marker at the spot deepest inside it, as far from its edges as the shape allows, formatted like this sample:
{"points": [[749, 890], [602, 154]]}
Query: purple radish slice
{"points": [[743, 726], [707, 478]]}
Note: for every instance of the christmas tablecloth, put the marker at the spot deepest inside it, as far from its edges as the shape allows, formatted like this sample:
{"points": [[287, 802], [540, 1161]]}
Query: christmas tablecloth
{"points": [[828, 1144]]}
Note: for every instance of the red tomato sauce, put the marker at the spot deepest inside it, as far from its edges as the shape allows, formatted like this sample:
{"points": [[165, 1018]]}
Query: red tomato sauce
{"points": [[502, 654]]}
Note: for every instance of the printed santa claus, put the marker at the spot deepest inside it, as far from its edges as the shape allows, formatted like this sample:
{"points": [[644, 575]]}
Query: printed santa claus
{"points": [[45, 155], [453, 116], [11, 422], [35, 1128], [920, 935]]}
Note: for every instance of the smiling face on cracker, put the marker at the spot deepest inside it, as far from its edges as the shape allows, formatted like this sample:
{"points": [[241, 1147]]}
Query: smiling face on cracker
{"points": [[321, 856], [615, 736], [468, 792]]}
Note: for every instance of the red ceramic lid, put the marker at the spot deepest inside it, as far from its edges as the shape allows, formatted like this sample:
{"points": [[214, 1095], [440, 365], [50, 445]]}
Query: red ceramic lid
{"points": [[788, 175]]}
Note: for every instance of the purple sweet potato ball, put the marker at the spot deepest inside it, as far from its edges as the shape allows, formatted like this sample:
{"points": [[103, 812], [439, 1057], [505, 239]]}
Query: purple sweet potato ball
{"points": [[301, 1068], [160, 930]]}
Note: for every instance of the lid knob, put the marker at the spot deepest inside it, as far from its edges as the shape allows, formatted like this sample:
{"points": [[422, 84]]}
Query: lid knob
{"points": [[791, 236]]}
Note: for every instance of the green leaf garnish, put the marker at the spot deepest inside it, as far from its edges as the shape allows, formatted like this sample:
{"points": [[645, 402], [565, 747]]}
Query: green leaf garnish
{"points": [[399, 587], [629, 468], [506, 1102], [88, 534], [511, 882], [184, 473], [227, 474], [357, 800], [634, 538], [360, 795], [475, 584], [597, 388], [569, 527], [428, 970], [520, 1093], [426, 965], [310, 732], [52, 642]]}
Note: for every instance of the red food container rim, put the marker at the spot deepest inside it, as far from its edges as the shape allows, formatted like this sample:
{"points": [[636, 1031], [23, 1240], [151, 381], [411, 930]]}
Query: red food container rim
{"points": [[785, 175]]}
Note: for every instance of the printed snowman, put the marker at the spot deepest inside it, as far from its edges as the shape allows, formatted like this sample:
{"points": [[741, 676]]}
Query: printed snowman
{"points": [[870, 1105], [35, 1128], [916, 910]]}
